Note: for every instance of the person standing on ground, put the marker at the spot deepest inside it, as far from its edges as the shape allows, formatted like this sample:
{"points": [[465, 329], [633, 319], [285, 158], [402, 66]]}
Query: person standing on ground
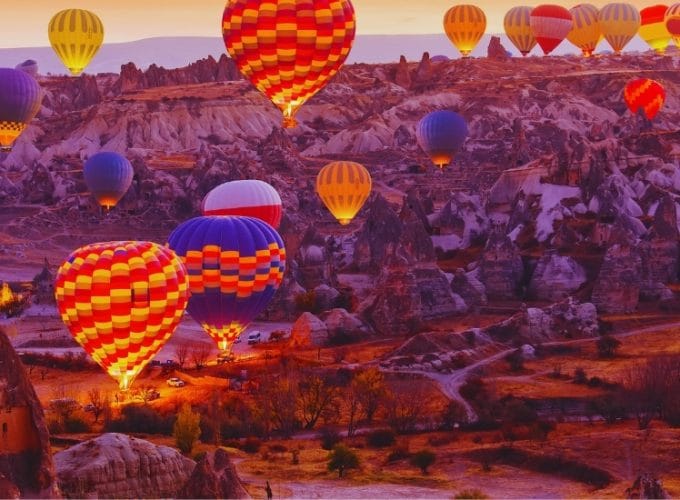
{"points": [[268, 489]]}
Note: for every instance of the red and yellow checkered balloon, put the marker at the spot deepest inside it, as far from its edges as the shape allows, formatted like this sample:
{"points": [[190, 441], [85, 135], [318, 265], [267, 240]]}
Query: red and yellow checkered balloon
{"points": [[122, 301], [289, 49]]}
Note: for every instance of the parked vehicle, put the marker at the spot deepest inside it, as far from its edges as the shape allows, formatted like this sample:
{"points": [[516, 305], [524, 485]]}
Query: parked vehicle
{"points": [[225, 358], [254, 338], [176, 382]]}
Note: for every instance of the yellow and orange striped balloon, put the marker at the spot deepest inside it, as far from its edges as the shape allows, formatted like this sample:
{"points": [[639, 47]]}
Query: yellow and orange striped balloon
{"points": [[465, 25], [586, 32], [619, 23], [344, 187], [517, 24], [76, 35], [122, 301]]}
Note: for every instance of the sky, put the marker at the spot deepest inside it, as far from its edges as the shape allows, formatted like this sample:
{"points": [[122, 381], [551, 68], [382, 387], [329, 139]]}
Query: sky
{"points": [[23, 23]]}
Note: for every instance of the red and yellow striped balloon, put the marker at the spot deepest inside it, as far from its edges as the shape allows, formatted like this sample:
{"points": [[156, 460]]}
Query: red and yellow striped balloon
{"points": [[648, 95], [289, 49], [343, 187], [122, 301], [672, 20], [653, 27]]}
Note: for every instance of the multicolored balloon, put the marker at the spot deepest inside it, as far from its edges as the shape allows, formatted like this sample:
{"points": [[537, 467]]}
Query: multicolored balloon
{"points": [[122, 301], [653, 27], [251, 198], [289, 49], [235, 266], [441, 134], [517, 24], [550, 25], [76, 36], [645, 94], [672, 20], [465, 25], [619, 23], [585, 33], [20, 99], [108, 176], [344, 187]]}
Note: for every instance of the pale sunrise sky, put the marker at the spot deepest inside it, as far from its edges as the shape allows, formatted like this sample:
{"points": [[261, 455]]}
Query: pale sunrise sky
{"points": [[23, 23]]}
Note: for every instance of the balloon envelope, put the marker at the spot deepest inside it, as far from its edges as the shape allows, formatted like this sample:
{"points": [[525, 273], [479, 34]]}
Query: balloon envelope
{"points": [[344, 187], [441, 134], [251, 198], [646, 95], [108, 176], [122, 301], [20, 99], [76, 36], [653, 27], [619, 23], [672, 20], [235, 266], [465, 25], [517, 24], [550, 25], [585, 33], [289, 49]]}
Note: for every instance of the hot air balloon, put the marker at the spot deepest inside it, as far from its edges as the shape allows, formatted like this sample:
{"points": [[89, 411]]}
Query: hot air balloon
{"points": [[76, 35], [619, 23], [672, 19], [122, 301], [646, 95], [20, 99], [465, 25], [235, 266], [441, 134], [108, 176], [289, 49], [517, 25], [550, 25], [250, 197], [653, 27], [29, 66], [343, 187], [585, 33]]}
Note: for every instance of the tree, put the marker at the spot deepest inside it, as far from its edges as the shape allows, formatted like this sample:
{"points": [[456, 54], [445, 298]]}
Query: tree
{"points": [[404, 408], [182, 355], [370, 389], [607, 346], [99, 401], [145, 392], [453, 413], [423, 459], [515, 360], [353, 405], [316, 397], [342, 458], [200, 354], [187, 429], [277, 403]]}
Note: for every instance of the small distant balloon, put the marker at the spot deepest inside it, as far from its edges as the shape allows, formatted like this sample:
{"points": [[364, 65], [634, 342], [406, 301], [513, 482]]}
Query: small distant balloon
{"points": [[251, 198], [646, 95], [29, 66], [20, 100], [76, 36], [344, 187], [517, 24], [108, 176], [619, 23], [465, 25], [550, 24], [441, 134]]}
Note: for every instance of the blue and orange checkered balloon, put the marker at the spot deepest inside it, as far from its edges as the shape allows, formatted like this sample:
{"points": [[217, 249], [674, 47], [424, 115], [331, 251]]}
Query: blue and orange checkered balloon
{"points": [[122, 301], [289, 49], [235, 266]]}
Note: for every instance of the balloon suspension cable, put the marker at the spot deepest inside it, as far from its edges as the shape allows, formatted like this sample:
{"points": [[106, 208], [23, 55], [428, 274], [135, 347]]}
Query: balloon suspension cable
{"points": [[5, 149]]}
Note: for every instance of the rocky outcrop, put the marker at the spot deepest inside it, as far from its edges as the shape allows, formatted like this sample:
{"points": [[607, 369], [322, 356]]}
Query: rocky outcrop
{"points": [[214, 477], [119, 466], [340, 321], [308, 331], [568, 319], [403, 74], [25, 453], [469, 288], [556, 277], [647, 486], [496, 51], [659, 252], [617, 288], [500, 267]]}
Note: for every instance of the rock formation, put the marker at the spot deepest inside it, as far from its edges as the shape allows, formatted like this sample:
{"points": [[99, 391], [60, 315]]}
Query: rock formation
{"points": [[119, 466], [403, 74], [500, 268], [309, 331], [617, 289], [659, 252], [496, 51], [214, 477], [25, 453], [556, 277]]}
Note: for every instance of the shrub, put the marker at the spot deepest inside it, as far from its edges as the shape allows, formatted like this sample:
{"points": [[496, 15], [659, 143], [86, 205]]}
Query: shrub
{"points": [[580, 376], [251, 445], [470, 495], [607, 346], [143, 419], [453, 413], [76, 424], [329, 438], [380, 438], [398, 453], [423, 459], [187, 429], [342, 458]]}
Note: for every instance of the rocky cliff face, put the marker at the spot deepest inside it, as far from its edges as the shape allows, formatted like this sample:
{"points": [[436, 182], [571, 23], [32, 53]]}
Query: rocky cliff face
{"points": [[25, 454], [119, 466], [214, 477], [500, 268], [617, 289]]}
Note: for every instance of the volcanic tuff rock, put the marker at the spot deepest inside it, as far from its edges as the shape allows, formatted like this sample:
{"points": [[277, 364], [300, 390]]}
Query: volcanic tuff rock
{"points": [[339, 320], [403, 74], [617, 288], [119, 466], [500, 268], [659, 251], [496, 50], [469, 288], [309, 331], [214, 477], [556, 277], [25, 453]]}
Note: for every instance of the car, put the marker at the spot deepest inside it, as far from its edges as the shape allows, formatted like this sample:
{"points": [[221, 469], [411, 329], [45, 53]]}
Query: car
{"points": [[176, 382], [225, 358], [254, 338], [155, 362]]}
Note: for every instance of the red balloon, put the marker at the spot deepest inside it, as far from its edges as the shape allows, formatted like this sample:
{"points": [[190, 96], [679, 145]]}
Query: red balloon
{"points": [[550, 24], [648, 95]]}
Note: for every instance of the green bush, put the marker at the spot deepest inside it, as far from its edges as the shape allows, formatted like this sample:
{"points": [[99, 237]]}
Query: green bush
{"points": [[187, 429], [380, 438], [329, 438], [342, 458], [141, 418], [251, 445], [423, 459]]}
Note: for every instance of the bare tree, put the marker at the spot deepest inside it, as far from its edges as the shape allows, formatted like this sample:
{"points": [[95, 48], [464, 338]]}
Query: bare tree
{"points": [[146, 393], [353, 407], [98, 401], [405, 407], [200, 354], [370, 389], [316, 397], [276, 402], [181, 355]]}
